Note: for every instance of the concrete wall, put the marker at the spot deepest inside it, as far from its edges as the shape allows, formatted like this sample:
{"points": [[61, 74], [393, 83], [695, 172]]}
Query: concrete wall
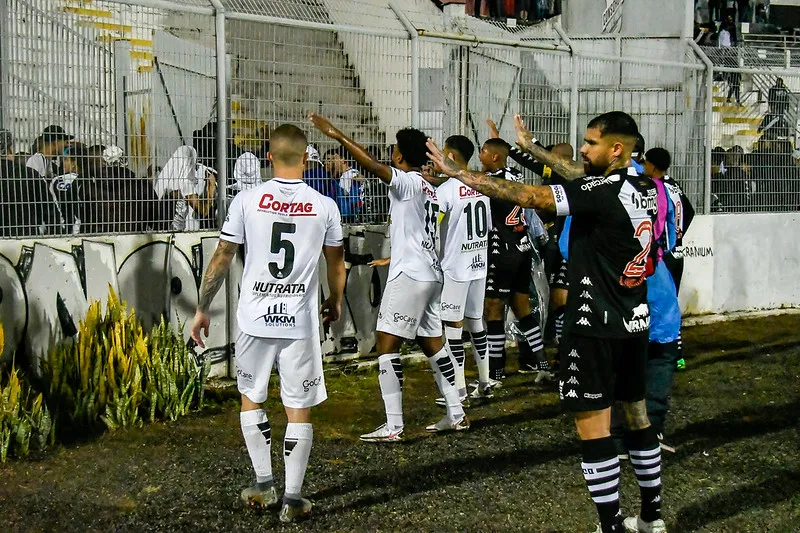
{"points": [[636, 17], [47, 284], [741, 263]]}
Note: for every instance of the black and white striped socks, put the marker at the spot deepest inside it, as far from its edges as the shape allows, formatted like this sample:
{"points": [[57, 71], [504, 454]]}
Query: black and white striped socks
{"points": [[645, 454], [444, 372], [496, 334], [456, 344], [529, 325], [601, 471]]}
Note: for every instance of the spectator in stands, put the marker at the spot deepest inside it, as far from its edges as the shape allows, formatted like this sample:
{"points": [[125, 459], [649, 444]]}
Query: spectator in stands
{"points": [[496, 9], [316, 176], [715, 10], [524, 9], [732, 187], [773, 173], [246, 174], [349, 180], [187, 188], [744, 10], [47, 149], [778, 98], [774, 127], [26, 206], [70, 188], [7, 145]]}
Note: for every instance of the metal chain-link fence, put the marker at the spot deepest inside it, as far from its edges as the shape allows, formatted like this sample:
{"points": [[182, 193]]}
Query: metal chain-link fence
{"points": [[149, 115]]}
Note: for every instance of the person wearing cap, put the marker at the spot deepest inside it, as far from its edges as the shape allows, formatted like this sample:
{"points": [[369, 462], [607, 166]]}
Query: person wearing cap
{"points": [[47, 148], [349, 180], [316, 176]]}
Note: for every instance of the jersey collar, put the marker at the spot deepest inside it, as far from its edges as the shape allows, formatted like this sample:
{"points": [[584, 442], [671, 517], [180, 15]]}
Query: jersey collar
{"points": [[288, 181]]}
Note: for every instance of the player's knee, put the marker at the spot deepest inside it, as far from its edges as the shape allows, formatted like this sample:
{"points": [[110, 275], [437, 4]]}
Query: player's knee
{"points": [[387, 343], [298, 416], [430, 345], [474, 325], [558, 298], [249, 405], [520, 305], [593, 424], [454, 324], [493, 309], [635, 415]]}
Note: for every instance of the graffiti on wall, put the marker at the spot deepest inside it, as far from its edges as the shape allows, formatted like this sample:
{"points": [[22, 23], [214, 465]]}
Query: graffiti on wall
{"points": [[46, 286]]}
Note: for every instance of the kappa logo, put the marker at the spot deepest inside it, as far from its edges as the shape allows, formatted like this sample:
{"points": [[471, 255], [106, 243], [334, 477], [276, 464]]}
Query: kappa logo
{"points": [[586, 281], [571, 394], [561, 389], [583, 321], [585, 308], [573, 367], [574, 353], [585, 294], [495, 252], [573, 381]]}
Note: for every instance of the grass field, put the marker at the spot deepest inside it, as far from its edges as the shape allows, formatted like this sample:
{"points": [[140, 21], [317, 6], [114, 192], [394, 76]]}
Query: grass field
{"points": [[734, 423]]}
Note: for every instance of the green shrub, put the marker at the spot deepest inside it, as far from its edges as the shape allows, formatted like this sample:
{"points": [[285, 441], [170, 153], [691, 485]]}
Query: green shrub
{"points": [[25, 421]]}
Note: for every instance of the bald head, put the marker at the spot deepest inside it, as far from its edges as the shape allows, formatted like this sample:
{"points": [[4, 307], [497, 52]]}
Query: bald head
{"points": [[564, 151], [287, 147]]}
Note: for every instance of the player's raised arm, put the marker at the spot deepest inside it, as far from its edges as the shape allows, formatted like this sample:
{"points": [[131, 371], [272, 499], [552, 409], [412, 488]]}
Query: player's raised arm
{"points": [[535, 196], [359, 153], [570, 170]]}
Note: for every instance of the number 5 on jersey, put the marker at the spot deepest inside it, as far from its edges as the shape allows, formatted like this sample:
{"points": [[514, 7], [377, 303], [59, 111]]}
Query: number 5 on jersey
{"points": [[279, 244]]}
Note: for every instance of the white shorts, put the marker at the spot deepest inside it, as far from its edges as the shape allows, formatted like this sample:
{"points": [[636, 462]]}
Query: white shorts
{"points": [[299, 364], [462, 299], [410, 308]]}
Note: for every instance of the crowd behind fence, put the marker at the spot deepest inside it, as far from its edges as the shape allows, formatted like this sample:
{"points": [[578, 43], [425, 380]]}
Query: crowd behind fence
{"points": [[111, 119]]}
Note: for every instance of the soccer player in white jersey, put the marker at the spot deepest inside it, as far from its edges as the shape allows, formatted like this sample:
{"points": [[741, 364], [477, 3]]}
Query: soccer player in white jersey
{"points": [[464, 230], [284, 225], [411, 300]]}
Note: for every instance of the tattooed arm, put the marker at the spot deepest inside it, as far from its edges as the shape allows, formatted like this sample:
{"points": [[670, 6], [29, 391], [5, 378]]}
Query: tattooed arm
{"points": [[569, 169], [213, 279], [536, 196]]}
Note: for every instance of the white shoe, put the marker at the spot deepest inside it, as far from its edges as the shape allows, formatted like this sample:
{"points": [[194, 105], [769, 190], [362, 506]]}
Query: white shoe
{"points": [[443, 403], [448, 424], [494, 383], [384, 434], [634, 524], [482, 393], [544, 376]]}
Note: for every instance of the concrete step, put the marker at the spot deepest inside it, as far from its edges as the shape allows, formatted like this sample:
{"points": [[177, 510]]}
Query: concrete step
{"points": [[751, 133], [88, 12], [729, 109], [741, 120]]}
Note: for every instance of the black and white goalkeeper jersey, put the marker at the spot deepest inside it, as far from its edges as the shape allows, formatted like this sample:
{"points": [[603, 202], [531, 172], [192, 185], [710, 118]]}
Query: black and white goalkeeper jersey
{"points": [[609, 242]]}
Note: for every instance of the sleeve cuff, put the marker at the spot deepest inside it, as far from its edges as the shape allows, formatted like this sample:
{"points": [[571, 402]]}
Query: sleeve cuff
{"points": [[560, 198], [236, 239]]}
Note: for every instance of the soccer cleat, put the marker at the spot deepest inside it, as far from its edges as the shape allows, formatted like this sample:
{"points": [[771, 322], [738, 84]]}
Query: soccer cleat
{"points": [[295, 510], [680, 364], [384, 434], [493, 383], [634, 524], [544, 377], [443, 403], [528, 368], [482, 393], [257, 498], [447, 424]]}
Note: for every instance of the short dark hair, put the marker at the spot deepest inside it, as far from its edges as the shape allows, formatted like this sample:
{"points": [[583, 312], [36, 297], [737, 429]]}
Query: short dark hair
{"points": [[411, 144], [341, 151], [498, 144], [287, 144], [462, 145], [659, 157], [639, 148], [615, 123]]}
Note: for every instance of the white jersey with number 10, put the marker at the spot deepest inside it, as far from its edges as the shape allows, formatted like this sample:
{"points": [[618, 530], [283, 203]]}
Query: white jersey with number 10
{"points": [[283, 225], [465, 230]]}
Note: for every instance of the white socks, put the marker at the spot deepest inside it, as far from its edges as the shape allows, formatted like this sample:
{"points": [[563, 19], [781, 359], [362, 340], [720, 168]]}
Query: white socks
{"points": [[480, 348], [444, 373], [296, 449], [453, 337], [390, 377], [258, 438]]}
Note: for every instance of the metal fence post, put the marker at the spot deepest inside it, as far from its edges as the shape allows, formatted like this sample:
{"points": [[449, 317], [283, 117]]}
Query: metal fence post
{"points": [[574, 95], [709, 138], [222, 162], [414, 36]]}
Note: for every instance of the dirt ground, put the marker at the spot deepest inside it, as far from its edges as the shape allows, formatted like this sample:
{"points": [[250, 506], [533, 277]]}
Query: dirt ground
{"points": [[734, 423]]}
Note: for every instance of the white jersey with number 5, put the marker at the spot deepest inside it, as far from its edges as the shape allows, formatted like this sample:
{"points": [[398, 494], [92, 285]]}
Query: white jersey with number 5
{"points": [[283, 225], [465, 230], [414, 215]]}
